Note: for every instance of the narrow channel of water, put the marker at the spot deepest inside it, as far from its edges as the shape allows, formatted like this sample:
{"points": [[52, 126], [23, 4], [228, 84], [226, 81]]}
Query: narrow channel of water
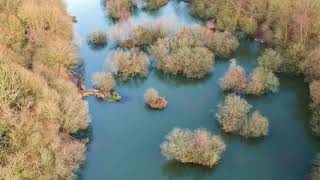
{"points": [[126, 136]]}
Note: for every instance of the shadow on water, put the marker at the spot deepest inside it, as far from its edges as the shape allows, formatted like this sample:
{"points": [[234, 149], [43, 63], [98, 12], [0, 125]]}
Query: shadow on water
{"points": [[131, 82], [179, 80], [174, 170], [96, 47]]}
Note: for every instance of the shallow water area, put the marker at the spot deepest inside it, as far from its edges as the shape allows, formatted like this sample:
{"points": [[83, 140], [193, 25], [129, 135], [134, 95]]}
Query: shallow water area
{"points": [[126, 136]]}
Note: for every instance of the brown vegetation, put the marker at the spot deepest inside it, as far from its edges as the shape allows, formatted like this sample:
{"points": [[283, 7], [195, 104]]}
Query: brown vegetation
{"points": [[315, 92], [184, 54], [233, 118], [119, 9], [315, 106], [262, 81], [233, 113], [39, 107], [256, 126], [312, 64], [270, 60], [153, 99], [128, 64], [198, 147], [103, 81], [97, 39], [235, 78], [271, 20], [155, 4], [222, 44], [141, 35]]}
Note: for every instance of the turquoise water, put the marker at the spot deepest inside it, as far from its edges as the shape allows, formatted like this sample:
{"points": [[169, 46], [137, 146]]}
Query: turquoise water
{"points": [[125, 136]]}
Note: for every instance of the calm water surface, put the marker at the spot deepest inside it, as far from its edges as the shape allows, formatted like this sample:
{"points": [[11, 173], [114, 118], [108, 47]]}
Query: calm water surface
{"points": [[125, 136]]}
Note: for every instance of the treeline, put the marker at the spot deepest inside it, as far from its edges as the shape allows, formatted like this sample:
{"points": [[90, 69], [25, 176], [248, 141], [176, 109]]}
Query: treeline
{"points": [[292, 28], [39, 106]]}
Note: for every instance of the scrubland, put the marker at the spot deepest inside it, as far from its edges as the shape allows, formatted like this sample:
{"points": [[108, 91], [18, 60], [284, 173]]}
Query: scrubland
{"points": [[40, 108]]}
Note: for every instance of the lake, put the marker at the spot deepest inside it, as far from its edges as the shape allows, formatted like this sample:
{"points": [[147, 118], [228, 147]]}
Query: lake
{"points": [[126, 136]]}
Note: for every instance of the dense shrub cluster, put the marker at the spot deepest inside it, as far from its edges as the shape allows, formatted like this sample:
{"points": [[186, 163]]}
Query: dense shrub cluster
{"points": [[233, 113], [222, 43], [39, 107], [75, 110], [312, 71], [140, 35], [198, 147], [151, 95], [127, 35], [256, 126], [56, 52], [315, 106], [294, 31], [315, 92], [233, 118], [263, 78], [120, 9], [235, 78], [183, 54], [128, 64], [104, 81], [153, 99], [262, 81], [97, 39], [270, 60], [155, 4], [312, 64], [49, 16], [37, 148], [271, 19], [15, 90]]}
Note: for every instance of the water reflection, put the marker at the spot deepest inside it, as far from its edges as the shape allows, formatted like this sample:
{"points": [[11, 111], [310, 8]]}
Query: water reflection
{"points": [[180, 80], [177, 170]]}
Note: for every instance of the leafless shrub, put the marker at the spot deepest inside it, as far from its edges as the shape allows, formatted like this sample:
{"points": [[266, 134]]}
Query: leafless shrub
{"points": [[128, 64], [256, 126], [233, 113], [97, 39], [262, 81], [153, 99], [119, 9], [183, 54], [155, 4], [235, 78], [104, 81], [199, 147]]}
